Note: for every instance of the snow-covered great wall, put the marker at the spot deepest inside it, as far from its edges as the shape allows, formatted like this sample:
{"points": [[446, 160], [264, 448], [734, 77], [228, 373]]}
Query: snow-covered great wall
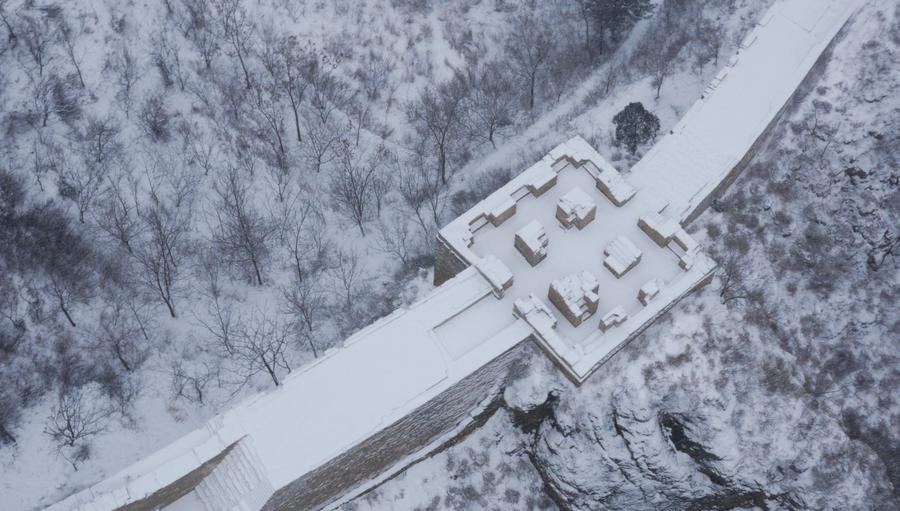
{"points": [[415, 378]]}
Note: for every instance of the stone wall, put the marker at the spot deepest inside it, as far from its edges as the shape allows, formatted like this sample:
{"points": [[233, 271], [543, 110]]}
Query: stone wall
{"points": [[446, 263], [384, 450], [801, 91], [643, 327], [169, 494]]}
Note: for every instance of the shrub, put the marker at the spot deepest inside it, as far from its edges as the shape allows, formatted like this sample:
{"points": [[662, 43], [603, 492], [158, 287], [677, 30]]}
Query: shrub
{"points": [[155, 118], [635, 125]]}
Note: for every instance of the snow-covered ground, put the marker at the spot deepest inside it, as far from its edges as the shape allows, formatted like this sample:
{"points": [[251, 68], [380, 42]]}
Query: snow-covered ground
{"points": [[775, 386], [810, 443], [408, 43], [386, 50]]}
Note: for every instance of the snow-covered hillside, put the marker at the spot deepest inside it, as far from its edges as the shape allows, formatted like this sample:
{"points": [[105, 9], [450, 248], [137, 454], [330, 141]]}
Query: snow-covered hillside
{"points": [[774, 388], [199, 196]]}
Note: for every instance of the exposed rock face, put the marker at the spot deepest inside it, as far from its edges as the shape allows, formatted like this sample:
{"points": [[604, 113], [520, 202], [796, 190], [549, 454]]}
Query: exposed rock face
{"points": [[633, 454]]}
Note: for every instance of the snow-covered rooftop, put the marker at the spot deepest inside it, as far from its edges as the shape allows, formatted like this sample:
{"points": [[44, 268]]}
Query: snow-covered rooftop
{"points": [[532, 242], [621, 256], [575, 295], [533, 235], [576, 208], [613, 249]]}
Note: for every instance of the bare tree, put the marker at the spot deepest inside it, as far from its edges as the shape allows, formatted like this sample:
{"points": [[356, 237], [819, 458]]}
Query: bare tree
{"points": [[661, 56], [10, 414], [490, 105], [189, 381], [66, 291], [238, 28], [167, 57], [706, 41], [267, 116], [396, 239], [437, 118], [120, 335], [167, 224], [359, 116], [731, 279], [257, 344], [48, 245], [79, 414], [82, 183], [280, 178], [329, 93], [123, 63], [4, 83], [154, 118], [11, 300], [321, 137], [66, 99], [35, 34], [561, 69], [38, 164], [83, 179], [122, 389], [262, 346], [42, 105], [289, 64], [136, 309], [221, 320], [303, 233], [347, 279], [201, 31], [306, 301], [374, 74], [245, 155], [118, 217], [12, 38], [295, 63], [99, 141], [68, 36], [421, 192], [242, 233], [354, 179], [382, 185], [660, 52], [201, 149], [614, 69], [68, 262], [587, 17], [529, 44]]}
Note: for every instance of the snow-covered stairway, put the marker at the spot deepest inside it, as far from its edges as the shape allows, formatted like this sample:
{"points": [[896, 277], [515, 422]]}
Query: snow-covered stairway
{"points": [[237, 483]]}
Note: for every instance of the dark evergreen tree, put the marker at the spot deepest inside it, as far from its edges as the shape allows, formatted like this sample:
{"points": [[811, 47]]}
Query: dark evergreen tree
{"points": [[635, 125]]}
